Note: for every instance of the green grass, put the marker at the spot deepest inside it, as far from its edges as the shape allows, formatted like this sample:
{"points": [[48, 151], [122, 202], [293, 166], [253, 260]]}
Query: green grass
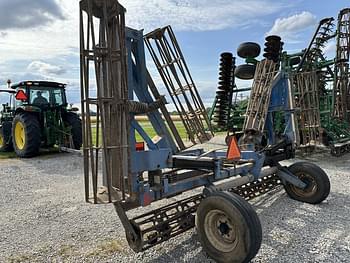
{"points": [[148, 128], [145, 124], [7, 155]]}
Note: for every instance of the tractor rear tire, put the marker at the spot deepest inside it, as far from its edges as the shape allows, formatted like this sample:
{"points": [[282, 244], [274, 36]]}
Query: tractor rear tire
{"points": [[72, 119], [318, 185], [228, 228], [5, 137], [26, 135]]}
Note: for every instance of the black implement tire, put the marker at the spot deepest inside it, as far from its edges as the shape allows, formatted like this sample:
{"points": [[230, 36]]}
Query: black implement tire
{"points": [[318, 185], [248, 50], [245, 71], [26, 135], [228, 228], [72, 119], [5, 137]]}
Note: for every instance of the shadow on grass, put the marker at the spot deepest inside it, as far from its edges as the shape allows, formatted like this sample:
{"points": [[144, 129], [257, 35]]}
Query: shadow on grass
{"points": [[43, 153], [7, 155]]}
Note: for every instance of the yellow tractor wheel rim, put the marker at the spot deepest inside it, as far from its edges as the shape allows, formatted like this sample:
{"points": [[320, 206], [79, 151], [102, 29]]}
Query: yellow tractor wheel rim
{"points": [[2, 141], [20, 135]]}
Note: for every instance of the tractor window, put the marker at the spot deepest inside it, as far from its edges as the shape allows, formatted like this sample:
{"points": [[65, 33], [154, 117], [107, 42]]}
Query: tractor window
{"points": [[39, 96], [57, 97]]}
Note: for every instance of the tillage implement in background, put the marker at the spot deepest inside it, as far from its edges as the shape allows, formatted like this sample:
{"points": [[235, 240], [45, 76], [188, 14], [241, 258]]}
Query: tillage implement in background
{"points": [[320, 88], [132, 174]]}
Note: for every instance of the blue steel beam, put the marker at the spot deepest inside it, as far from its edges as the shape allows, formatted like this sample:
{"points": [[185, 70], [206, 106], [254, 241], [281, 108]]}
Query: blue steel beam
{"points": [[137, 75]]}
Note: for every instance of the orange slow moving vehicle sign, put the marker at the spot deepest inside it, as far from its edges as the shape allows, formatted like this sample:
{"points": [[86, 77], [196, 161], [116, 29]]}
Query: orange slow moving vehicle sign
{"points": [[20, 95], [233, 152]]}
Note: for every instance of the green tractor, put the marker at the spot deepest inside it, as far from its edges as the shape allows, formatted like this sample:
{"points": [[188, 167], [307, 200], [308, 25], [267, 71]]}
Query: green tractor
{"points": [[38, 116]]}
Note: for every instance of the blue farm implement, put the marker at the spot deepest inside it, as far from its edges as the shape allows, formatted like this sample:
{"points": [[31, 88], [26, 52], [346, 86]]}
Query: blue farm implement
{"points": [[129, 174]]}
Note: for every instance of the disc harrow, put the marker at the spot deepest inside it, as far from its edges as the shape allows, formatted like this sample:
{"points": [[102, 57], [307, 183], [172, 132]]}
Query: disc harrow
{"points": [[224, 92]]}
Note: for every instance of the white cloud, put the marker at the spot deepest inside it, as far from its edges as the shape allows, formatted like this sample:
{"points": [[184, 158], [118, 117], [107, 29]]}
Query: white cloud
{"points": [[287, 27], [197, 15], [28, 14], [330, 49], [56, 41], [60, 37], [45, 68], [52, 38]]}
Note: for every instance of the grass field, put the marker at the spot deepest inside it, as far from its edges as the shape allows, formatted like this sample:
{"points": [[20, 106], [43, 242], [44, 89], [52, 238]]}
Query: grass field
{"points": [[147, 126], [7, 155]]}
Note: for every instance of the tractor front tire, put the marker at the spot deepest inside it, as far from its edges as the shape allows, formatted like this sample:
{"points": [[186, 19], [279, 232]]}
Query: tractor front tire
{"points": [[72, 119], [26, 135], [5, 137]]}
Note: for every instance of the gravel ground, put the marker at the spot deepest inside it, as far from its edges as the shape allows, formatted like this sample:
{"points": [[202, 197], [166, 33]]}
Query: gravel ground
{"points": [[44, 219]]}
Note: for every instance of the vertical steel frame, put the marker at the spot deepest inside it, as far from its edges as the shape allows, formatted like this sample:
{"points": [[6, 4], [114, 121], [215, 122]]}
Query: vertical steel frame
{"points": [[341, 90], [138, 81], [306, 96], [103, 64], [171, 65], [259, 101]]}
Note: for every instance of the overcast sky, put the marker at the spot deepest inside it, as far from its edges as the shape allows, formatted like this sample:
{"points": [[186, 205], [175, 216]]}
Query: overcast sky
{"points": [[39, 39]]}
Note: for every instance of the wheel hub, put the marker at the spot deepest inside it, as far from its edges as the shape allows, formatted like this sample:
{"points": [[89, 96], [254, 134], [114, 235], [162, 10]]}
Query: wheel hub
{"points": [[224, 228], [220, 231], [311, 186]]}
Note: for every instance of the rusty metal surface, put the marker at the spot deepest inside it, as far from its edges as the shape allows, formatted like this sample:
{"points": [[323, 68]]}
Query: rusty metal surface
{"points": [[103, 63], [306, 97], [341, 90], [259, 100], [171, 65]]}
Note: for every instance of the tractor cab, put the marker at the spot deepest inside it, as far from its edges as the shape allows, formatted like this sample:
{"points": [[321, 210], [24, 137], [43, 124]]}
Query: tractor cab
{"points": [[41, 94], [38, 117]]}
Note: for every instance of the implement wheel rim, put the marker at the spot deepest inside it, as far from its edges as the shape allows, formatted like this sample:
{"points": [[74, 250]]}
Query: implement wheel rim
{"points": [[311, 186], [20, 135], [221, 231]]}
